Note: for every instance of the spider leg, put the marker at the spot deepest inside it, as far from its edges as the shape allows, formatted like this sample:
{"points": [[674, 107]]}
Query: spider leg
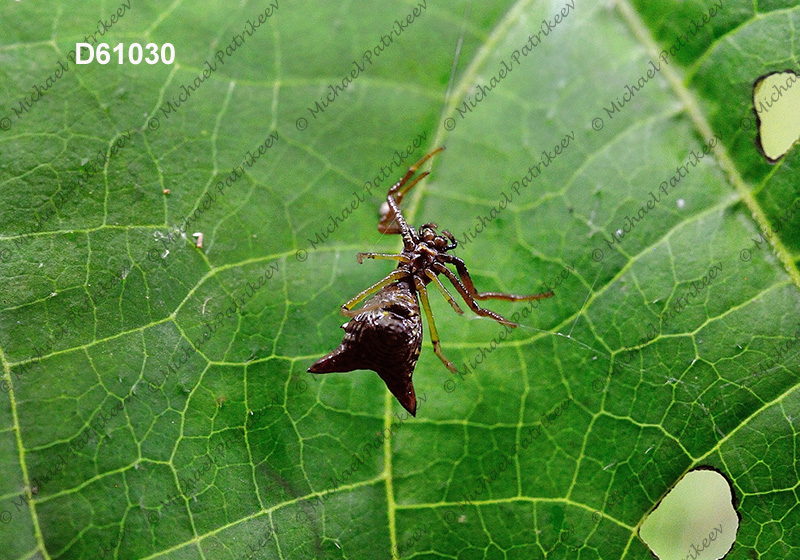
{"points": [[467, 280], [452, 244], [398, 186], [393, 227], [383, 256], [437, 347], [347, 308], [432, 275], [401, 192], [442, 269], [392, 220]]}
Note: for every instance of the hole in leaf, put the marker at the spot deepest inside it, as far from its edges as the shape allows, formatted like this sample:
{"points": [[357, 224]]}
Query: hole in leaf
{"points": [[696, 520], [776, 99]]}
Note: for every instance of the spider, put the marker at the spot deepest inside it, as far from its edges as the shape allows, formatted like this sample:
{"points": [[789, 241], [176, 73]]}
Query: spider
{"points": [[385, 334]]}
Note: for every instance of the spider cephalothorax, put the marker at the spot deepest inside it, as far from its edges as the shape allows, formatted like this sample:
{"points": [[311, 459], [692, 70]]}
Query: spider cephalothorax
{"points": [[385, 334]]}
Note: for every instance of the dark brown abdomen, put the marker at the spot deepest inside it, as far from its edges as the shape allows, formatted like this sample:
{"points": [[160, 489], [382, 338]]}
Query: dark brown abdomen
{"points": [[386, 337]]}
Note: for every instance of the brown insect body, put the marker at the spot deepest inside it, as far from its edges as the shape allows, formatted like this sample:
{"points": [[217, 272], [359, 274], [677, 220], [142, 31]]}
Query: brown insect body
{"points": [[386, 337]]}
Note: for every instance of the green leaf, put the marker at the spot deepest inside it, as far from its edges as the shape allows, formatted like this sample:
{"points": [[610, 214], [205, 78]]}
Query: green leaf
{"points": [[236, 450]]}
